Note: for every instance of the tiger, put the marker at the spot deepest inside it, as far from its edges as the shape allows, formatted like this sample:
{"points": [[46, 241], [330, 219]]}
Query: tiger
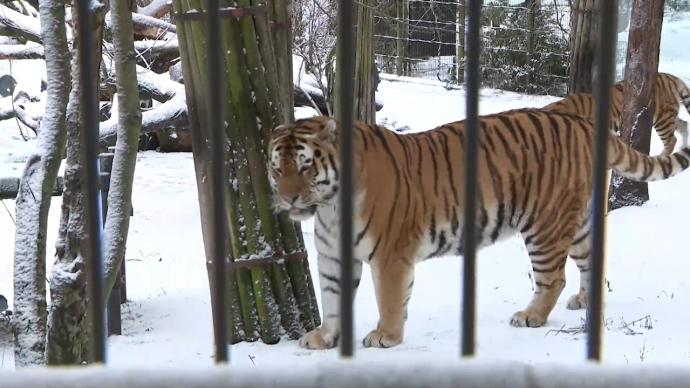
{"points": [[669, 91], [534, 178]]}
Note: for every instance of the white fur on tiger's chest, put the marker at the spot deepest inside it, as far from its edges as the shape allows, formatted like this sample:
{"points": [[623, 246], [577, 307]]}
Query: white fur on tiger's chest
{"points": [[327, 232]]}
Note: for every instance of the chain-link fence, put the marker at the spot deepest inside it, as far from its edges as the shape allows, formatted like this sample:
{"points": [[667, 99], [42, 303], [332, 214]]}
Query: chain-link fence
{"points": [[524, 43]]}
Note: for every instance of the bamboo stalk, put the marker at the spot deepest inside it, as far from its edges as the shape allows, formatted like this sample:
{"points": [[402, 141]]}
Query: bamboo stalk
{"points": [[271, 300]]}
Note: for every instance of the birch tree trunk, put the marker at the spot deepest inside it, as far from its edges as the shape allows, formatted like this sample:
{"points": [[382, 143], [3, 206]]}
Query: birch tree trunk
{"points": [[129, 128], [583, 38], [34, 197], [68, 328], [641, 64]]}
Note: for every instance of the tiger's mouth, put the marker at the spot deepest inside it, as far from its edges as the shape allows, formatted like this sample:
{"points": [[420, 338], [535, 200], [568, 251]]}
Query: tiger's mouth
{"points": [[301, 214]]}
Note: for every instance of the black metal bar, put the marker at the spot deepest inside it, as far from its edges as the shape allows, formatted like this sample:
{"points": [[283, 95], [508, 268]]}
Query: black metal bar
{"points": [[89, 137], [606, 50], [346, 80], [218, 179], [472, 50]]}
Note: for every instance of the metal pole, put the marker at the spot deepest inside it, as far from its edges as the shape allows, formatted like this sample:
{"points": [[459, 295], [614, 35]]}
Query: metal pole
{"points": [[89, 137], [346, 81], [471, 155], [218, 180], [605, 70]]}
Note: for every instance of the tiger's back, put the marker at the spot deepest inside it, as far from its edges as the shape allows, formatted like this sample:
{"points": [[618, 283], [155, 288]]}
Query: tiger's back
{"points": [[534, 177], [669, 91]]}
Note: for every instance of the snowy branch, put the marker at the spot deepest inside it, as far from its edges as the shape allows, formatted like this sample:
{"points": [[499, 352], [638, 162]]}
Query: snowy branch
{"points": [[16, 51], [19, 24], [156, 9]]}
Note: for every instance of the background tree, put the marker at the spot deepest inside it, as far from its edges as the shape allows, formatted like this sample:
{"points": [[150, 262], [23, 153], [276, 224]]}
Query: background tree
{"points": [[34, 197], [365, 67], [641, 66], [68, 328], [270, 289], [583, 38]]}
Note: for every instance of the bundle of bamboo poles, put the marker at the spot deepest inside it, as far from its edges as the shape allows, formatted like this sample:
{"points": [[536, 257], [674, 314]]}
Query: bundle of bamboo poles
{"points": [[270, 288]]}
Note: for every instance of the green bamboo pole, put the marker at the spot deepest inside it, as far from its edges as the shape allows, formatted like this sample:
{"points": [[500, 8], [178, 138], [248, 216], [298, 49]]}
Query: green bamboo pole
{"points": [[275, 299]]}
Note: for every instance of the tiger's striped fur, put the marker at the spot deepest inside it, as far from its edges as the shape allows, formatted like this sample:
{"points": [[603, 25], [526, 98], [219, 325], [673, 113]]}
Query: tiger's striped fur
{"points": [[534, 178], [669, 91]]}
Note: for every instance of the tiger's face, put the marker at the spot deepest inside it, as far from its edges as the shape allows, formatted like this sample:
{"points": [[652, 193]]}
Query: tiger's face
{"points": [[302, 168]]}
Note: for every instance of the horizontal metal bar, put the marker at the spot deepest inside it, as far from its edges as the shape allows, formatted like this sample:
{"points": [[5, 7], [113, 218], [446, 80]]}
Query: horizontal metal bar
{"points": [[233, 264], [362, 373]]}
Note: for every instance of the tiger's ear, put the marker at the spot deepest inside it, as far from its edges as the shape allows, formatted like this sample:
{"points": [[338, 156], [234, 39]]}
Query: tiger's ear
{"points": [[279, 129], [328, 131]]}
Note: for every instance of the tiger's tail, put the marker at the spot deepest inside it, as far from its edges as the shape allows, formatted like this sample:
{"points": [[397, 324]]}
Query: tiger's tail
{"points": [[637, 166]]}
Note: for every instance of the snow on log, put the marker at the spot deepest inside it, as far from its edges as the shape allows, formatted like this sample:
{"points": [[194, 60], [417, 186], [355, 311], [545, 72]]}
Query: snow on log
{"points": [[20, 51], [172, 113], [21, 25], [156, 9], [10, 108]]}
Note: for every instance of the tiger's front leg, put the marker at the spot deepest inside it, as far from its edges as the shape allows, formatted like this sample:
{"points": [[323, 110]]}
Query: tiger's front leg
{"points": [[328, 334], [393, 282]]}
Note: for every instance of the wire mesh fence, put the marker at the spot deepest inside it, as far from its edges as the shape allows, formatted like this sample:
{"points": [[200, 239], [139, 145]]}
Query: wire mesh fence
{"points": [[525, 44]]}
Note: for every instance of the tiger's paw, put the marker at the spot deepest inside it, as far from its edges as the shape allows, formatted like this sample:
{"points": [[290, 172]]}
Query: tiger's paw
{"points": [[527, 319], [378, 339], [577, 301], [320, 338]]}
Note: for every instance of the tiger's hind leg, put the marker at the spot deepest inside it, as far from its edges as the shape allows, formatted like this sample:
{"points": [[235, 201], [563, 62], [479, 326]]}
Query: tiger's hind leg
{"points": [[548, 266], [580, 251], [665, 126], [547, 242], [393, 282]]}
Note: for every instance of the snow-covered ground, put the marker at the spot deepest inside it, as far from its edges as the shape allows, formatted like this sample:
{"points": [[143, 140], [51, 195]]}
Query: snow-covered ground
{"points": [[168, 320]]}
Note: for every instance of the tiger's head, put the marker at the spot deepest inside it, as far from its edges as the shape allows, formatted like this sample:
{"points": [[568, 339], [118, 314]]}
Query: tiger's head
{"points": [[302, 166]]}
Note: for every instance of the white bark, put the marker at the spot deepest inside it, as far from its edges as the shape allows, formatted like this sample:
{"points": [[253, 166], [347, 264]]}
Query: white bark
{"points": [[33, 199], [124, 162]]}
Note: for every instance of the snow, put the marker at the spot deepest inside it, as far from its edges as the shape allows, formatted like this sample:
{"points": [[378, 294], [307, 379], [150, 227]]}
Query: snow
{"points": [[168, 319]]}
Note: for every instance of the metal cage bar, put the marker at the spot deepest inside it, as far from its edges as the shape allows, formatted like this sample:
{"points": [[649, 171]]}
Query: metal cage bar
{"points": [[472, 75], [218, 179], [346, 81], [606, 50], [92, 207]]}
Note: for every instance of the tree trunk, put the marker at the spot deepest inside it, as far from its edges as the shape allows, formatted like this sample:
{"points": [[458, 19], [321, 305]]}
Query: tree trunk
{"points": [[129, 128], [270, 291], [365, 68], [583, 38], [68, 324], [34, 197], [460, 43], [402, 32], [641, 66]]}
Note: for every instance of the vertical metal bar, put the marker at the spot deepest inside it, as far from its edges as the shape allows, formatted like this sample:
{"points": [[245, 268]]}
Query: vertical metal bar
{"points": [[606, 50], [89, 138], [473, 15], [346, 81], [218, 179]]}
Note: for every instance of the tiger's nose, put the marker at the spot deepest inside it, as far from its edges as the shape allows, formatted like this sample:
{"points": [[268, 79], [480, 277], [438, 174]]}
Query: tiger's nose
{"points": [[290, 199]]}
